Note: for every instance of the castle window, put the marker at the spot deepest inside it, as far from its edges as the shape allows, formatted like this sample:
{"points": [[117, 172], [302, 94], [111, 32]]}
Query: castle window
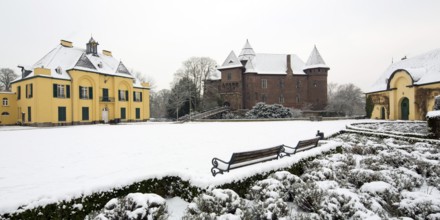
{"points": [[229, 76], [297, 99], [281, 99], [5, 113], [5, 102], [59, 91], [282, 83], [123, 95], [298, 84], [29, 91], [264, 83], [263, 97], [84, 92]]}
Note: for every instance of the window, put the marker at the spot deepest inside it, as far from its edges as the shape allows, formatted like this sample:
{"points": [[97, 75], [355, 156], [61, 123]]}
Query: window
{"points": [[297, 99], [18, 93], [281, 99], [138, 113], [229, 76], [298, 84], [85, 113], [85, 92], [123, 95], [5, 113], [137, 96], [264, 83], [29, 114], [62, 114], [29, 91], [263, 97], [123, 115], [5, 102], [105, 97], [282, 83], [256, 96], [61, 91]]}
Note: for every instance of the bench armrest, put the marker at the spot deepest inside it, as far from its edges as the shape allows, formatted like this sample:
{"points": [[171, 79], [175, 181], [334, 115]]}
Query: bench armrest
{"points": [[215, 166]]}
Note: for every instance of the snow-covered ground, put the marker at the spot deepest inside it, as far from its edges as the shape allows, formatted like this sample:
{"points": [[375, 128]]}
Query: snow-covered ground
{"points": [[41, 166]]}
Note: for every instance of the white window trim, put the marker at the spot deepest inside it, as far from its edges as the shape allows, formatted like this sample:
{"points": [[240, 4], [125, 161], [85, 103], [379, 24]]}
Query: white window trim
{"points": [[61, 92], [85, 93], [5, 102]]}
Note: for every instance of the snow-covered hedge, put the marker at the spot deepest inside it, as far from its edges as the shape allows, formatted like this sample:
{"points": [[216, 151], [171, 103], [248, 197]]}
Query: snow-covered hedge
{"points": [[262, 110], [134, 206]]}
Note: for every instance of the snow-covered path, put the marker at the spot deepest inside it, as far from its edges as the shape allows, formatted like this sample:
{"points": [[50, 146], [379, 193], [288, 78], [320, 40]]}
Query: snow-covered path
{"points": [[45, 165]]}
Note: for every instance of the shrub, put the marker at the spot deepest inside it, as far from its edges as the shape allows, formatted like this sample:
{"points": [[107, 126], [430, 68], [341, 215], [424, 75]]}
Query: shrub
{"points": [[308, 196], [358, 177], [134, 206], [262, 110], [215, 203]]}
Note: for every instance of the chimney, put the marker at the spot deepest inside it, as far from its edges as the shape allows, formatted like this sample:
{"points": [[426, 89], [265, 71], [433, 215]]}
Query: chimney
{"points": [[289, 66], [66, 43], [107, 53]]}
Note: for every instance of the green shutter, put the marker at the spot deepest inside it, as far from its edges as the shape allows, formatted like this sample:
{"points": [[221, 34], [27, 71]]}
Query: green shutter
{"points": [[134, 95], [27, 85], [80, 94], [32, 93], [140, 93], [119, 95], [29, 114], [18, 92], [90, 92], [68, 91], [126, 95], [55, 90]]}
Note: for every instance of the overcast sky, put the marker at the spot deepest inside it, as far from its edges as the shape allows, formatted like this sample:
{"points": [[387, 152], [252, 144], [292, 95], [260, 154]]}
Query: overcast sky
{"points": [[357, 39]]}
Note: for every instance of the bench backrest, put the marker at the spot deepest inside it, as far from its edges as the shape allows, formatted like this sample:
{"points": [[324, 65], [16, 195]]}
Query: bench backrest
{"points": [[256, 156], [306, 144]]}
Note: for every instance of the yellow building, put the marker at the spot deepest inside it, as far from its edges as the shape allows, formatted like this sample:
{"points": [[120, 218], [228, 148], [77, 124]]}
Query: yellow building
{"points": [[71, 85], [407, 89]]}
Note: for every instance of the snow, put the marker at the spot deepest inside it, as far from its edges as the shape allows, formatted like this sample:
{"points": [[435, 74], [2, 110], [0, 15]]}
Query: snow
{"points": [[176, 208], [424, 68], [46, 165], [315, 60], [264, 63], [231, 62], [433, 114], [376, 187], [247, 53], [65, 58]]}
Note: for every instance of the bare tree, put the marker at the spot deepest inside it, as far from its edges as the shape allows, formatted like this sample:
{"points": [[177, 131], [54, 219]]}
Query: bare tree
{"points": [[6, 77], [198, 70], [346, 99], [158, 103], [144, 78]]}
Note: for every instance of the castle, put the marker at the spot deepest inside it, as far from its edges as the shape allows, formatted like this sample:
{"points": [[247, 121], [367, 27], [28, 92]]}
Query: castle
{"points": [[271, 78]]}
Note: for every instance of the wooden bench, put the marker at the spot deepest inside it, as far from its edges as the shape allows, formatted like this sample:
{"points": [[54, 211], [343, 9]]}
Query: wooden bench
{"points": [[246, 158], [301, 146]]}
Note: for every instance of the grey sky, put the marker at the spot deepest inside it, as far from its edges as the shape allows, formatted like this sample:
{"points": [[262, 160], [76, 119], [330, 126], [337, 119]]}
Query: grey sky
{"points": [[357, 39]]}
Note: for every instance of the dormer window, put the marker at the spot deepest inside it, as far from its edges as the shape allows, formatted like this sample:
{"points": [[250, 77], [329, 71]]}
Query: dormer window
{"points": [[58, 70], [100, 64]]}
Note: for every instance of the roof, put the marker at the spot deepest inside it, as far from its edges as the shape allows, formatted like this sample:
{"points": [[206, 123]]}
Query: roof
{"points": [[61, 59], [424, 69], [247, 52], [315, 60], [231, 62], [264, 63]]}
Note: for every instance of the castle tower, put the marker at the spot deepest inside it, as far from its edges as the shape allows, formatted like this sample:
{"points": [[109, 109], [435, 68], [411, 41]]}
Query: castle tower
{"points": [[231, 86], [247, 53], [317, 72]]}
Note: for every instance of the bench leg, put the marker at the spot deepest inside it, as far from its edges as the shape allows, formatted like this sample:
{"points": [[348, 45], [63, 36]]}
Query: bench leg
{"points": [[216, 171]]}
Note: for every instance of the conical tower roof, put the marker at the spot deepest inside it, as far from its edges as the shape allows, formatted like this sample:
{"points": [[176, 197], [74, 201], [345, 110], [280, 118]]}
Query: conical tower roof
{"points": [[247, 53], [315, 60], [231, 62]]}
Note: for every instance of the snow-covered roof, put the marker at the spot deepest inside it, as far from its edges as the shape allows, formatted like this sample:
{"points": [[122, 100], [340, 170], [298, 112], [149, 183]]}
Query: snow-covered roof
{"points": [[62, 58], [315, 60], [247, 53], [424, 69], [264, 63], [231, 62]]}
